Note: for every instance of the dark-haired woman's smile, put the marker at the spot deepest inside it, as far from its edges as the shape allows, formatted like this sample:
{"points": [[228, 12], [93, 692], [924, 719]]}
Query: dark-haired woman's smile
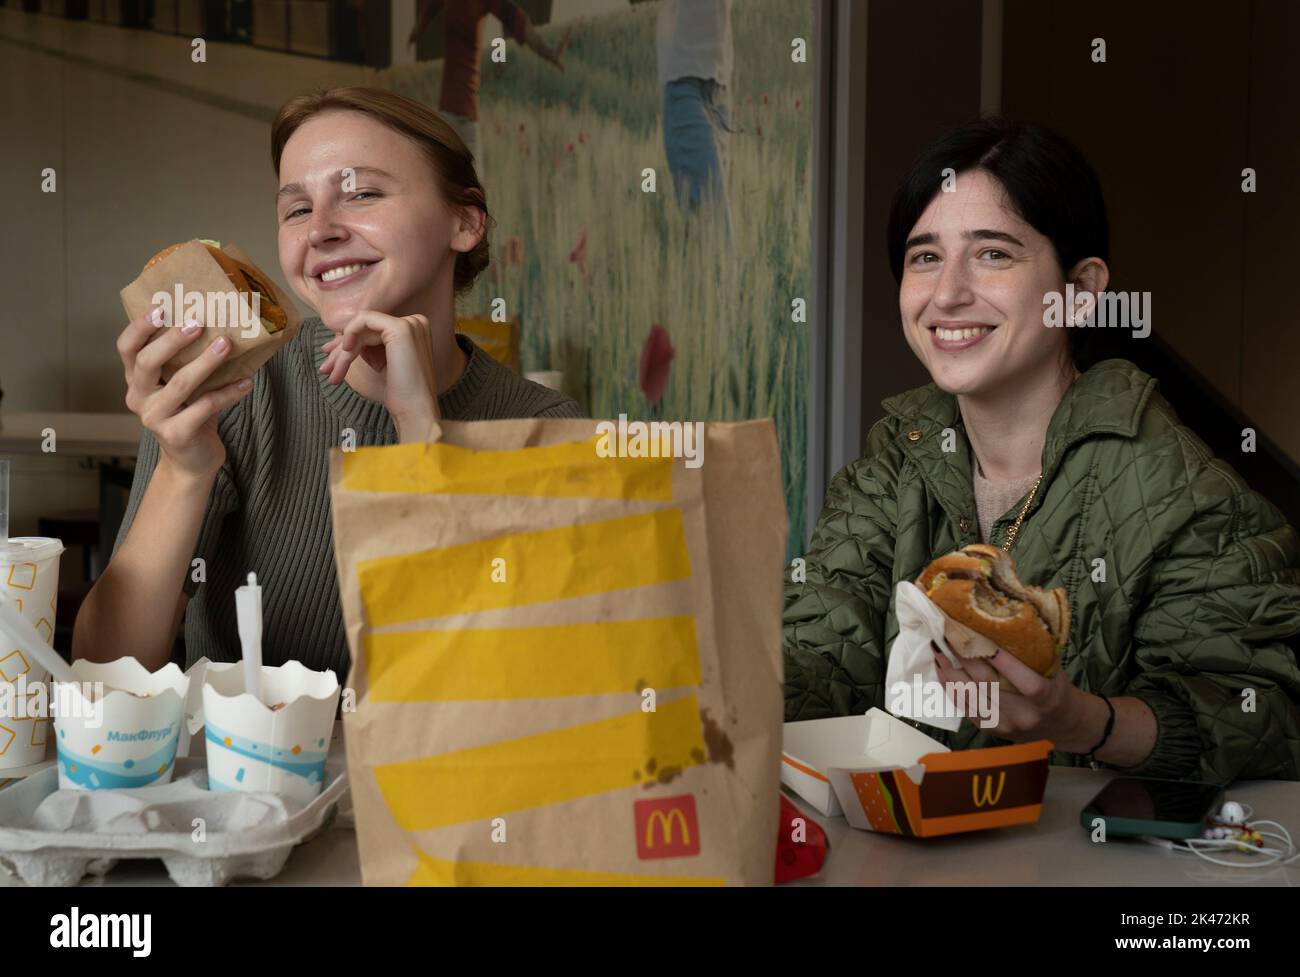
{"points": [[953, 337]]}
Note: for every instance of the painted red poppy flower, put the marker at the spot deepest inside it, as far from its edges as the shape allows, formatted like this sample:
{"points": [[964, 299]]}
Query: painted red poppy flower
{"points": [[579, 253], [656, 358]]}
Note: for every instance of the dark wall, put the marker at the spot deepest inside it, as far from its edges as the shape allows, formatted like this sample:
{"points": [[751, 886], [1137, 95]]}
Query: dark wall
{"points": [[1270, 350], [923, 78], [1190, 94]]}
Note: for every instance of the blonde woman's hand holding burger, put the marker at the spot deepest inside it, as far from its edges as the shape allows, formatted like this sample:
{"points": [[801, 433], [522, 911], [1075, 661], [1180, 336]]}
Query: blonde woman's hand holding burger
{"points": [[187, 434], [138, 602]]}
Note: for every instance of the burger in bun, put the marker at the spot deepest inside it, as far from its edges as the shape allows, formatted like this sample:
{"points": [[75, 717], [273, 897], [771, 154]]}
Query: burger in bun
{"points": [[244, 277], [237, 301], [987, 608]]}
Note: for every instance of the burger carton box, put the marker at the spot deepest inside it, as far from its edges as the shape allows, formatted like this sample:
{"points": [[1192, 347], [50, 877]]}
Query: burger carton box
{"points": [[885, 775]]}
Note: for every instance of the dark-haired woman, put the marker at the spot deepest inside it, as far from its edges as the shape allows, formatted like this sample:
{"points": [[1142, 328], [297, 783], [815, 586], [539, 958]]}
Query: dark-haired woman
{"points": [[1184, 584], [381, 221]]}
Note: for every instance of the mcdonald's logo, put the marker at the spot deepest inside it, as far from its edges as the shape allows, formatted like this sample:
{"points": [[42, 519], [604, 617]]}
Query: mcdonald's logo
{"points": [[666, 827], [983, 798], [665, 824]]}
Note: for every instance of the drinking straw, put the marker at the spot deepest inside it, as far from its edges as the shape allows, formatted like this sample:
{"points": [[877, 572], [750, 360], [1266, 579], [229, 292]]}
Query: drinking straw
{"points": [[248, 609], [29, 640]]}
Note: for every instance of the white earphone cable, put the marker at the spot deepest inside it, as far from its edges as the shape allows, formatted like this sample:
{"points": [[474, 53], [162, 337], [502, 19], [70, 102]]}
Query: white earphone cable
{"points": [[1256, 857]]}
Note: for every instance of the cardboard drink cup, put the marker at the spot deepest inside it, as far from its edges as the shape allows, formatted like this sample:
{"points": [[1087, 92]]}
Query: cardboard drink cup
{"points": [[29, 579], [261, 745], [118, 724]]}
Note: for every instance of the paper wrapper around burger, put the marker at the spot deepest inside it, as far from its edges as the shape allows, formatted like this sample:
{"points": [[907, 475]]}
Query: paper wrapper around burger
{"points": [[194, 268]]}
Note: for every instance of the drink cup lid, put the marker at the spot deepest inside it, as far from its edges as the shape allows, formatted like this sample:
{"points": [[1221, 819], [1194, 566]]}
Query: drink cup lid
{"points": [[34, 549]]}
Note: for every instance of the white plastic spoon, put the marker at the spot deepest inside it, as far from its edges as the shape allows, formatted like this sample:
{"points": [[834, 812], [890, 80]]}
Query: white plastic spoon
{"points": [[248, 608]]}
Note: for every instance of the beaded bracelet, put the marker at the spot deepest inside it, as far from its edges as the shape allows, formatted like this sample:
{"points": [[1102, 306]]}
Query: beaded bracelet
{"points": [[1110, 725]]}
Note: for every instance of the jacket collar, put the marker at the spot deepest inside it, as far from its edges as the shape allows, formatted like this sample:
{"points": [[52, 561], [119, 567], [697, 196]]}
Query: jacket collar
{"points": [[1109, 398]]}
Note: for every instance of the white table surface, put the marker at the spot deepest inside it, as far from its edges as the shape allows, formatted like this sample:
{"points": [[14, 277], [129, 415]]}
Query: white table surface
{"points": [[1055, 851]]}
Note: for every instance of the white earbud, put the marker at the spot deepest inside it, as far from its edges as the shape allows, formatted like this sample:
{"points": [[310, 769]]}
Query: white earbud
{"points": [[1232, 813]]}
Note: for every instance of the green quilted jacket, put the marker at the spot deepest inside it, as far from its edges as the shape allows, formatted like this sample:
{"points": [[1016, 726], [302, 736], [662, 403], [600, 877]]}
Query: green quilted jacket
{"points": [[1201, 592]]}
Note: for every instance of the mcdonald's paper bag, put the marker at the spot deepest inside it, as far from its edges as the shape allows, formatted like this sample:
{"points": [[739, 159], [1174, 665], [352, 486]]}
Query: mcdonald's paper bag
{"points": [[567, 667]]}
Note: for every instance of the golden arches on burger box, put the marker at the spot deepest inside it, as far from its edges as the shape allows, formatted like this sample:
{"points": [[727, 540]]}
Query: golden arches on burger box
{"points": [[964, 790]]}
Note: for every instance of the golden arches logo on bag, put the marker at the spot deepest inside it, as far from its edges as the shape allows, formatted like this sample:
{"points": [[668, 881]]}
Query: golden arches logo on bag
{"points": [[667, 827]]}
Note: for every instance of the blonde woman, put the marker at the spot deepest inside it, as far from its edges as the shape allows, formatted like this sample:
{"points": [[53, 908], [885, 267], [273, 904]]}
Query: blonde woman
{"points": [[382, 220]]}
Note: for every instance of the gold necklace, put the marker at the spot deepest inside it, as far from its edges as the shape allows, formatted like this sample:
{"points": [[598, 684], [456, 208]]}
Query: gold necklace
{"points": [[1015, 526]]}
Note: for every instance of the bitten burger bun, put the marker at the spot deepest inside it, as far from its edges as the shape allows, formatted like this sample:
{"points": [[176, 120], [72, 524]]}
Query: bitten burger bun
{"points": [[201, 280], [988, 608]]}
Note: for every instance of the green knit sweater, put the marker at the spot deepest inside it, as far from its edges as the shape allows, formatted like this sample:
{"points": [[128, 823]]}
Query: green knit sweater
{"points": [[269, 511]]}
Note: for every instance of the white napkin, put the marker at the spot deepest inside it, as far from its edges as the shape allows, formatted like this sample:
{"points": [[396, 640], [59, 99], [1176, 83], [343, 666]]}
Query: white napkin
{"points": [[919, 623]]}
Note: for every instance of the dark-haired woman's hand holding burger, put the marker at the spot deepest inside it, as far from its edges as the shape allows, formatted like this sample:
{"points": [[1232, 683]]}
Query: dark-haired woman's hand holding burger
{"points": [[1031, 707]]}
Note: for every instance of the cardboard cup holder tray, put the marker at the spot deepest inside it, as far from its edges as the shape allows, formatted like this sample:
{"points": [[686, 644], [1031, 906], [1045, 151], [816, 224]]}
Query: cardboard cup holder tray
{"points": [[56, 837]]}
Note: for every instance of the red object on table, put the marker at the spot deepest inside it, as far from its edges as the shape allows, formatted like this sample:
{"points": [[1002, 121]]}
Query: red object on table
{"points": [[798, 859]]}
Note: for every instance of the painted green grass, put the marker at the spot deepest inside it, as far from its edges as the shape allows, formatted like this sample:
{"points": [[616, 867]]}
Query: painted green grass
{"points": [[564, 152]]}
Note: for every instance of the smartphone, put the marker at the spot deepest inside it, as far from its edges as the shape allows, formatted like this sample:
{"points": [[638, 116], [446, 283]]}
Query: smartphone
{"points": [[1147, 806]]}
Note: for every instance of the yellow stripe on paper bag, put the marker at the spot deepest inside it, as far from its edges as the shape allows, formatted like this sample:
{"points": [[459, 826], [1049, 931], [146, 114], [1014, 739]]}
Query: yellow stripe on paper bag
{"points": [[539, 565], [533, 662], [544, 768], [444, 871], [573, 470]]}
